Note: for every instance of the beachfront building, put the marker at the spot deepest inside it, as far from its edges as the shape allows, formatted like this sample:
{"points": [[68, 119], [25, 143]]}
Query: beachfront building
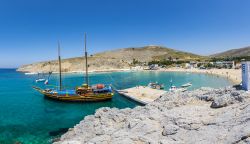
{"points": [[191, 64], [206, 64], [154, 67], [245, 68], [137, 68], [225, 64], [187, 66]]}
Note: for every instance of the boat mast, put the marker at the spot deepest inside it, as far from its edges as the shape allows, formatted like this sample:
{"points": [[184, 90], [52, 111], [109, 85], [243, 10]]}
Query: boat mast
{"points": [[60, 69], [86, 59]]}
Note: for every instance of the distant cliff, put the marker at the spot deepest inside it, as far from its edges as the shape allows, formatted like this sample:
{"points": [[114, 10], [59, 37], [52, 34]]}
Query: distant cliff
{"points": [[116, 59]]}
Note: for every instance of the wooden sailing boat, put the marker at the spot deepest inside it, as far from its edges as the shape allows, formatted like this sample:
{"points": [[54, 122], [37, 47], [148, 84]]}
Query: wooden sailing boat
{"points": [[84, 93]]}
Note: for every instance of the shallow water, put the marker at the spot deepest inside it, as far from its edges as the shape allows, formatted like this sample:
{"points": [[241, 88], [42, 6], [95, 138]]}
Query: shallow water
{"points": [[27, 117]]}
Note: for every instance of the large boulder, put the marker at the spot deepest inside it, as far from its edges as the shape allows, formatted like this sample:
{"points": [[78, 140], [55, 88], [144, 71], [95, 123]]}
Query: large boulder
{"points": [[221, 101], [226, 98], [170, 129]]}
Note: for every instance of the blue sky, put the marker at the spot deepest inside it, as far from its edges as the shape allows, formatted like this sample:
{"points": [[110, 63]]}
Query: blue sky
{"points": [[30, 29]]}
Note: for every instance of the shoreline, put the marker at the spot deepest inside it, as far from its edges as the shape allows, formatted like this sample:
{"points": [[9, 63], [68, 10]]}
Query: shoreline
{"points": [[233, 75], [79, 72]]}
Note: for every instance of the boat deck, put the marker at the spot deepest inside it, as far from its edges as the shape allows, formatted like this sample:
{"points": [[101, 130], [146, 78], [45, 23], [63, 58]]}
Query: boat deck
{"points": [[141, 94]]}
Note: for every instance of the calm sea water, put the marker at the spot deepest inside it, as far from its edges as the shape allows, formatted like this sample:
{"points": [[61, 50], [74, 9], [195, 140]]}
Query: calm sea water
{"points": [[26, 117]]}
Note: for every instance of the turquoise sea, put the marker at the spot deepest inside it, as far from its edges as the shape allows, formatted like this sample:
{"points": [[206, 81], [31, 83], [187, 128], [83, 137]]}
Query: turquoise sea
{"points": [[27, 117]]}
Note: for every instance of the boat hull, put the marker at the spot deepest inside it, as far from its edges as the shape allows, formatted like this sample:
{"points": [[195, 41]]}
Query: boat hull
{"points": [[88, 97], [79, 98]]}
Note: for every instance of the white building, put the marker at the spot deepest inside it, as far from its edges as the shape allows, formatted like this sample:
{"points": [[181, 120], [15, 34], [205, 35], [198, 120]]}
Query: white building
{"points": [[153, 67], [245, 68], [187, 66], [225, 64]]}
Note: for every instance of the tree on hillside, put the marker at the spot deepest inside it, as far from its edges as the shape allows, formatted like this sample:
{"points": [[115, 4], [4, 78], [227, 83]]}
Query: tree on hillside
{"points": [[170, 58]]}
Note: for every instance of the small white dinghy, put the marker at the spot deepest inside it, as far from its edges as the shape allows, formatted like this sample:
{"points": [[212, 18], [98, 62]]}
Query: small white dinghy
{"points": [[186, 85], [40, 80], [175, 89], [31, 73]]}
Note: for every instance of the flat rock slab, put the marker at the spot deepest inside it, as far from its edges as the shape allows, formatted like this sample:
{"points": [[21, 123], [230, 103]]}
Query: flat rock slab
{"points": [[142, 94]]}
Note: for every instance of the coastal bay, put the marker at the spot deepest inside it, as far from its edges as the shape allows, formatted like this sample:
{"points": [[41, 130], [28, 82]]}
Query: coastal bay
{"points": [[27, 117], [124, 72]]}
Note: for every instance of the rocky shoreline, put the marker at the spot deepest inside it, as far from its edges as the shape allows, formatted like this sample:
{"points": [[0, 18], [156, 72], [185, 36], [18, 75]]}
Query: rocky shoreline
{"points": [[204, 115]]}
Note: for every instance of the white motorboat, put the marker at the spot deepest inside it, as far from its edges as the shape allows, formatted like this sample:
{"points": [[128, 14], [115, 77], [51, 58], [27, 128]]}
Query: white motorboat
{"points": [[40, 80], [186, 85], [156, 86], [31, 73], [175, 89]]}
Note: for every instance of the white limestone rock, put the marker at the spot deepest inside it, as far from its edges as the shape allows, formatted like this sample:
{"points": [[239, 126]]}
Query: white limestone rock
{"points": [[203, 116]]}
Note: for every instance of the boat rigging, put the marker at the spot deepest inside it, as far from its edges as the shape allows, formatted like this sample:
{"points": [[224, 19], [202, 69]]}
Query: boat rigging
{"points": [[84, 93]]}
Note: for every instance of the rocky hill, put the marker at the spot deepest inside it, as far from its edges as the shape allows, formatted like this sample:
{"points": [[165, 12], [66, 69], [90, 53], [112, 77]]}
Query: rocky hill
{"points": [[116, 59], [207, 116], [234, 53]]}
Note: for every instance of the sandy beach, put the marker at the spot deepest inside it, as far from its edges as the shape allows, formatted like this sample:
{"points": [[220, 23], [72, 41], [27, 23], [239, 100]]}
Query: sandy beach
{"points": [[233, 75]]}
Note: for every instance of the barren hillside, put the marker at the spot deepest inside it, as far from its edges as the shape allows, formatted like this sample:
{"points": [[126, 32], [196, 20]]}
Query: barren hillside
{"points": [[116, 59], [234, 53]]}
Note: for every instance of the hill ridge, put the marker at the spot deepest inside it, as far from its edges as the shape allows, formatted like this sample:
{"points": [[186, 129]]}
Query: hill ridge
{"points": [[238, 52], [113, 59]]}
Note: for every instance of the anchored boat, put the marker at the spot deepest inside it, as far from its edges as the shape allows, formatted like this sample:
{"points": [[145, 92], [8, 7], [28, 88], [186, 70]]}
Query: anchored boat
{"points": [[40, 79], [156, 85], [84, 93], [81, 94], [186, 85], [175, 89]]}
